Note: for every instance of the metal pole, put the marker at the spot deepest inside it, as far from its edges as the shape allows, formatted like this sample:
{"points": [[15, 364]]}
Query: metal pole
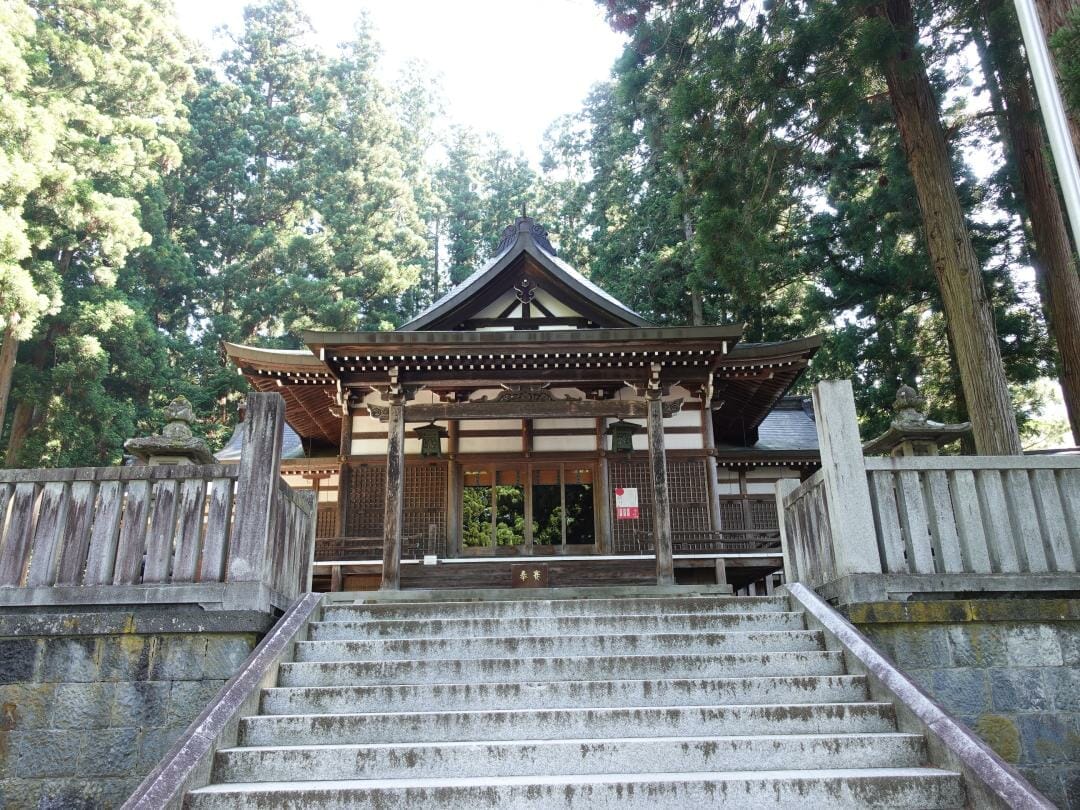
{"points": [[1057, 127]]}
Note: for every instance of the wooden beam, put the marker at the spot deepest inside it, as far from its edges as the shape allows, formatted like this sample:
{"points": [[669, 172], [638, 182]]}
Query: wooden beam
{"points": [[527, 323], [556, 408]]}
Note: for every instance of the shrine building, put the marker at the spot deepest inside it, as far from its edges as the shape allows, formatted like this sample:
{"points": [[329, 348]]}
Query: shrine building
{"points": [[529, 414]]}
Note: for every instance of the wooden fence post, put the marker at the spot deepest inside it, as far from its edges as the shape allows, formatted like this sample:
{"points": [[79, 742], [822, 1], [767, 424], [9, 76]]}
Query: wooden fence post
{"points": [[784, 487], [851, 517], [256, 489]]}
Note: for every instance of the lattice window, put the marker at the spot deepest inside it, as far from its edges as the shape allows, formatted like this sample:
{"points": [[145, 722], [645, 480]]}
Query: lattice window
{"points": [[631, 474], [425, 506], [326, 520], [732, 514], [688, 490], [764, 514], [367, 494], [762, 511], [425, 503]]}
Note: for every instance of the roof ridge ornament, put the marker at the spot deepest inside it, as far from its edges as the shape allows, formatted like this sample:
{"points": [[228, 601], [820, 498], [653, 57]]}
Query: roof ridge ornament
{"points": [[524, 224]]}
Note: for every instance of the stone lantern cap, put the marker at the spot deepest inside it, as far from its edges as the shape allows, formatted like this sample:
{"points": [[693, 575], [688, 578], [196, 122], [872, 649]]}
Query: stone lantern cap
{"points": [[175, 444], [911, 432]]}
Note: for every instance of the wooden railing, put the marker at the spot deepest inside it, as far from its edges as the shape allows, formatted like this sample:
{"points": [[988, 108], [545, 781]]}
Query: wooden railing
{"points": [[707, 541], [231, 536], [806, 530], [976, 514], [115, 525], [926, 523]]}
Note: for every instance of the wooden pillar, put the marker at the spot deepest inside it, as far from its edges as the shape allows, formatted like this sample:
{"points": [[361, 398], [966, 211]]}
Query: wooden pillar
{"points": [[344, 473], [602, 488], [394, 507], [665, 570], [453, 492], [711, 470], [744, 494]]}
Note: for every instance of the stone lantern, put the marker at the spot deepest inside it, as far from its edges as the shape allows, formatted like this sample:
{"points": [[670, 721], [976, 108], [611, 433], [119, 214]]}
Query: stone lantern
{"points": [[175, 444], [911, 432]]}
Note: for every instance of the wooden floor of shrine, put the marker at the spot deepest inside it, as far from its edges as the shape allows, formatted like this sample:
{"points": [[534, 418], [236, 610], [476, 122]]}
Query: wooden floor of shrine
{"points": [[738, 570]]}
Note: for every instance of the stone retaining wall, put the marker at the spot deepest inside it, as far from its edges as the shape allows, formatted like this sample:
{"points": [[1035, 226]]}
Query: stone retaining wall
{"points": [[1008, 668], [90, 701]]}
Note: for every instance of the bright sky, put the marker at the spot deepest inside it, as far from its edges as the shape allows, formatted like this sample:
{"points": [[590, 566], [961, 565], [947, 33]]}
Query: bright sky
{"points": [[505, 67]]}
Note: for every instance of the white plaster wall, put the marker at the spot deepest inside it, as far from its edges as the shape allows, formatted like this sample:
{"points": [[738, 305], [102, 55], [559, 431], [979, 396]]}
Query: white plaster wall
{"points": [[554, 306], [502, 302], [557, 424], [489, 444], [570, 444]]}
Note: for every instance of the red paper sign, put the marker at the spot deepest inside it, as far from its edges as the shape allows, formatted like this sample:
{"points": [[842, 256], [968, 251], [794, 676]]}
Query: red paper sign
{"points": [[626, 503]]}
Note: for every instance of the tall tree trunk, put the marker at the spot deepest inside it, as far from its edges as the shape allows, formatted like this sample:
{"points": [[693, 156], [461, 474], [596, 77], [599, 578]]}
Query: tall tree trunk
{"points": [[8, 350], [27, 413], [435, 279], [1058, 282], [697, 308], [967, 310], [21, 421], [1052, 15]]}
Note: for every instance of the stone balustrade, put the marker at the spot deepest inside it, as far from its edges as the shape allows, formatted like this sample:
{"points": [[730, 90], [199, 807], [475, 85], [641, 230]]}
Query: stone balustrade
{"points": [[867, 528]]}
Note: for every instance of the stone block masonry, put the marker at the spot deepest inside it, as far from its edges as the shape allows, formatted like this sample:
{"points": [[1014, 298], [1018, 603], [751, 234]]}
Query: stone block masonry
{"points": [[90, 701], [1008, 668]]}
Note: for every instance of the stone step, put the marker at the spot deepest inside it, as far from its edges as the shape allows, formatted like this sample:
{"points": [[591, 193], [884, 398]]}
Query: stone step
{"points": [[490, 670], [555, 625], [554, 724], [565, 694], [573, 756], [514, 608], [926, 788], [628, 643]]}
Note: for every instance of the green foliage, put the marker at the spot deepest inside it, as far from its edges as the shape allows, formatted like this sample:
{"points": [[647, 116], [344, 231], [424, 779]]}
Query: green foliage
{"points": [[1066, 46], [741, 165]]}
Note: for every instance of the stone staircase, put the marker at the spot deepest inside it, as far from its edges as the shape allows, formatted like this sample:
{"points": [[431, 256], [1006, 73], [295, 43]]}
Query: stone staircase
{"points": [[632, 702]]}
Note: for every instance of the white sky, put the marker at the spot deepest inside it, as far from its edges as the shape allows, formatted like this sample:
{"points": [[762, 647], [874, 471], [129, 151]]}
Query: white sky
{"points": [[506, 67]]}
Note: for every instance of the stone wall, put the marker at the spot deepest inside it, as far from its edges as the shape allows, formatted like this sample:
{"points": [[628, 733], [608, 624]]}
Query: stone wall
{"points": [[1008, 668], [90, 701]]}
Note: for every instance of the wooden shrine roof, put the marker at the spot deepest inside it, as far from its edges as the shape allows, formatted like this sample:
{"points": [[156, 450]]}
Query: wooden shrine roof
{"points": [[524, 250], [528, 318], [748, 379], [303, 380]]}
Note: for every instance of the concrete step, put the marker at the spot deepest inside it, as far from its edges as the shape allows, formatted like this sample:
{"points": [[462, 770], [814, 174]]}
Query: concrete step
{"points": [[555, 625], [565, 694], [491, 670], [573, 756], [628, 643], [926, 788], [520, 608], [560, 723]]}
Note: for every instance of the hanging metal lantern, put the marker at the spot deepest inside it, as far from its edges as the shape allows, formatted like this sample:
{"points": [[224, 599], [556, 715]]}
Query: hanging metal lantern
{"points": [[431, 437], [622, 436]]}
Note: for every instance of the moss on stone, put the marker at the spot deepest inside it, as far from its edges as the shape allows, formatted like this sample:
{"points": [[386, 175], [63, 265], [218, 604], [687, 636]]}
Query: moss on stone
{"points": [[1001, 734]]}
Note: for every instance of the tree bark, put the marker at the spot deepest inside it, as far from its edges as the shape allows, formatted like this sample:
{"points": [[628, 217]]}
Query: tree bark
{"points": [[1052, 15], [1058, 282], [8, 350], [967, 310], [21, 421]]}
